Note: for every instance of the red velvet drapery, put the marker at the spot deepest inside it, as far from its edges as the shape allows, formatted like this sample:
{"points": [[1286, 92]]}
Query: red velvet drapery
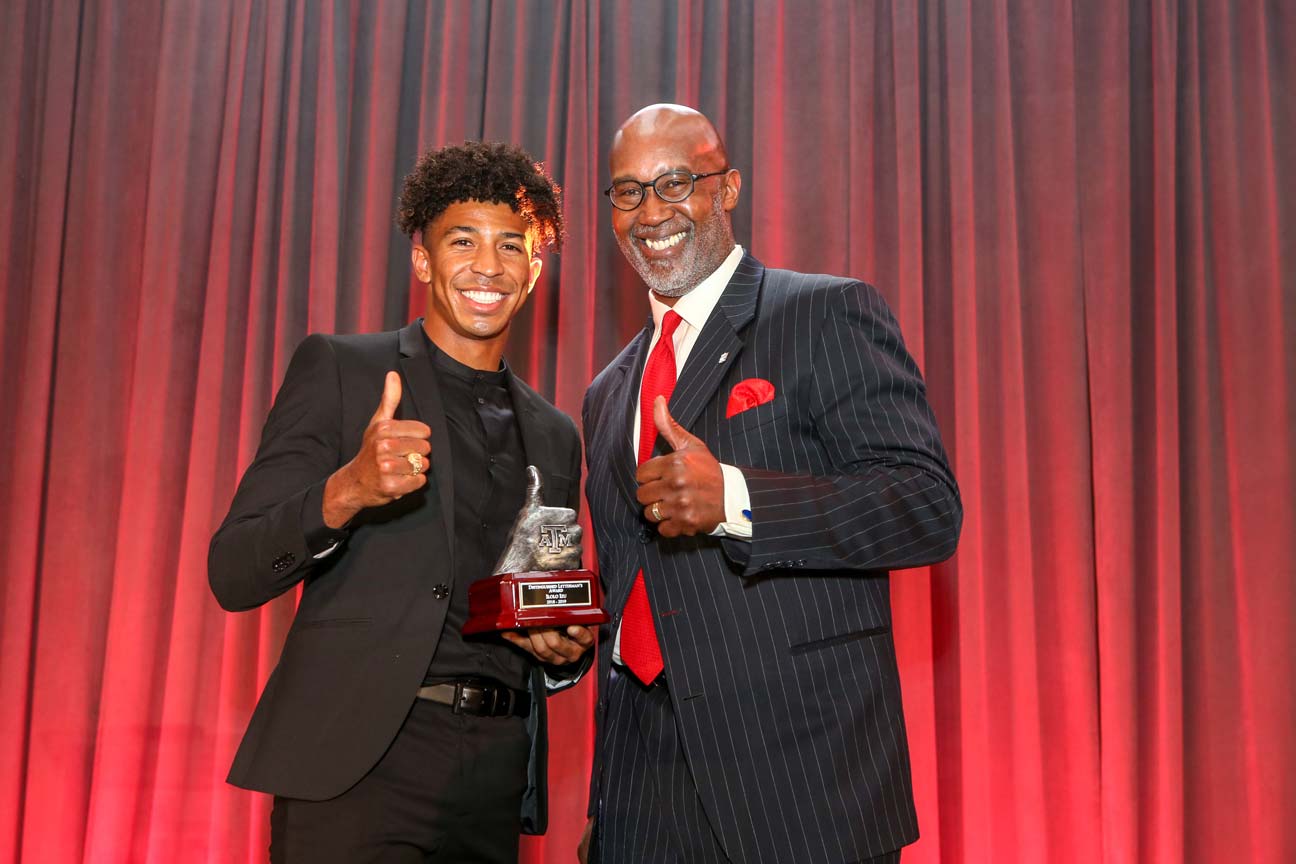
{"points": [[1083, 215]]}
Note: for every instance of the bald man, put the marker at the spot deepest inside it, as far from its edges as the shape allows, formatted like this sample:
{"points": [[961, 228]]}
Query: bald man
{"points": [[760, 457]]}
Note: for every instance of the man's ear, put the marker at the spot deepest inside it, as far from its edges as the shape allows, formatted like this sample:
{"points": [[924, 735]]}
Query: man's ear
{"points": [[536, 265], [732, 187], [421, 263]]}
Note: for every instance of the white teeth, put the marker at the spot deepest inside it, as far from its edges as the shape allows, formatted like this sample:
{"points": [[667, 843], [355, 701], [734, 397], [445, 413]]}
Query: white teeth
{"points": [[484, 296], [659, 245]]}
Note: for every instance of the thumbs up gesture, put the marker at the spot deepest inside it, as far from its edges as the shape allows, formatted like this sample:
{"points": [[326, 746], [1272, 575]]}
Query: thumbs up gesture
{"points": [[383, 470], [682, 491]]}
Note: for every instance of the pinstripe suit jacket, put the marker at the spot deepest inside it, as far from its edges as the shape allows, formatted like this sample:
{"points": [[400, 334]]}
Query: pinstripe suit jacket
{"points": [[778, 652]]}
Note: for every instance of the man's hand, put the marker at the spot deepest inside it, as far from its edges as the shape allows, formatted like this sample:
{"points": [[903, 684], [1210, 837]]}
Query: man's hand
{"points": [[552, 645], [686, 486], [381, 472]]}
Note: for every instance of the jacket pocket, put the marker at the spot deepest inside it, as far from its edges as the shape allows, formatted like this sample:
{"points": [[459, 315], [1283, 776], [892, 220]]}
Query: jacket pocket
{"points": [[839, 639], [759, 415]]}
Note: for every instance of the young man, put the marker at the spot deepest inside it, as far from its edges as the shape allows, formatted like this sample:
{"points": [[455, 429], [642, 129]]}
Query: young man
{"points": [[390, 470], [749, 704]]}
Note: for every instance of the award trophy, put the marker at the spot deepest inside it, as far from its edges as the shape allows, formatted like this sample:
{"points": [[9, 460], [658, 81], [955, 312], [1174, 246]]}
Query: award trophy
{"points": [[537, 582]]}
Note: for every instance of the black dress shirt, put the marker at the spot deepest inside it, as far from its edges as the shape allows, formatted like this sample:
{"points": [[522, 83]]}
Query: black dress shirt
{"points": [[489, 487]]}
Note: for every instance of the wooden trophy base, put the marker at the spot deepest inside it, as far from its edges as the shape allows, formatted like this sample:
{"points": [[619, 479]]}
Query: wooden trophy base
{"points": [[536, 598]]}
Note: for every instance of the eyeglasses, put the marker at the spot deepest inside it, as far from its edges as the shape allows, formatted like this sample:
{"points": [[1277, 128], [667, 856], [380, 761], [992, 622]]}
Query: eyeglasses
{"points": [[671, 187]]}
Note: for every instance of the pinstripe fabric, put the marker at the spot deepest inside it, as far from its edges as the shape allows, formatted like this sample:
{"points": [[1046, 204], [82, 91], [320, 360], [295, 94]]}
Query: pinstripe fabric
{"points": [[660, 816], [778, 653]]}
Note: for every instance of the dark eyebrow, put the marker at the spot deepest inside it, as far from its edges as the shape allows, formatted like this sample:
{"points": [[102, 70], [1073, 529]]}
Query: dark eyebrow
{"points": [[469, 229], [685, 169]]}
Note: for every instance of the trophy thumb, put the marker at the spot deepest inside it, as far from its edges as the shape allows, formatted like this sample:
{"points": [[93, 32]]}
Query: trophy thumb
{"points": [[533, 487]]}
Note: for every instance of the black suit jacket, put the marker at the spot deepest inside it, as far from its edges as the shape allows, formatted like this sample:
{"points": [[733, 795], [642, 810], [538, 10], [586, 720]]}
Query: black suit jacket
{"points": [[778, 653], [371, 613]]}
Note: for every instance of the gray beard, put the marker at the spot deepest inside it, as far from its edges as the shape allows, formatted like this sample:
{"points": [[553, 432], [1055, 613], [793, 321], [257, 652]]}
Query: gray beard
{"points": [[713, 239], [669, 286]]}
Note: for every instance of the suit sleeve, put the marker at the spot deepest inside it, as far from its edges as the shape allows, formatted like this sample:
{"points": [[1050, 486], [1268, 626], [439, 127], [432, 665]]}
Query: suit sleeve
{"points": [[891, 500], [574, 471], [275, 523], [561, 677]]}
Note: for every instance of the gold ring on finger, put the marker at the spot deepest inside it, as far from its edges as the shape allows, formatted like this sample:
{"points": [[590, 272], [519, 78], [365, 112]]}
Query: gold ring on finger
{"points": [[656, 512], [416, 462]]}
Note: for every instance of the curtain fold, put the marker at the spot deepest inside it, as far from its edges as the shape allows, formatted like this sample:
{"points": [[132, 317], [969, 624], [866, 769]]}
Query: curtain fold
{"points": [[1082, 215]]}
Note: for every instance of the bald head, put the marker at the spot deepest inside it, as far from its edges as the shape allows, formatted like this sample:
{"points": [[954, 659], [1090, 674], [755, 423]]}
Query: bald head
{"points": [[685, 129]]}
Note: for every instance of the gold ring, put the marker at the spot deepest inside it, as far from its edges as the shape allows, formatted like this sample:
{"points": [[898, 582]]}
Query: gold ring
{"points": [[416, 462], [656, 513]]}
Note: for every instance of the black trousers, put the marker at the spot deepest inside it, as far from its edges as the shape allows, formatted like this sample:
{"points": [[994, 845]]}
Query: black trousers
{"points": [[449, 789], [650, 810]]}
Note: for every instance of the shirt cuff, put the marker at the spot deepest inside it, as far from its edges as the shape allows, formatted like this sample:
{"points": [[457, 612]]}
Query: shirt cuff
{"points": [[737, 524], [552, 684]]}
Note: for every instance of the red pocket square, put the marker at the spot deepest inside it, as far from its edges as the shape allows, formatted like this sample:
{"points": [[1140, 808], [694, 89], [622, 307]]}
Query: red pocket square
{"points": [[748, 393]]}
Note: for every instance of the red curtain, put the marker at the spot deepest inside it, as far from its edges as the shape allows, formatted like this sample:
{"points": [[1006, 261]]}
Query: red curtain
{"points": [[1082, 214]]}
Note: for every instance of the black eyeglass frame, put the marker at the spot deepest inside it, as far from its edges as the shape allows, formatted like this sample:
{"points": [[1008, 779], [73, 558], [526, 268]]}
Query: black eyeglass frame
{"points": [[652, 184]]}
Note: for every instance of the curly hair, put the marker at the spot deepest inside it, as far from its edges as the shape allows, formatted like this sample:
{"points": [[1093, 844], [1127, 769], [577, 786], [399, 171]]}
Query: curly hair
{"points": [[488, 171]]}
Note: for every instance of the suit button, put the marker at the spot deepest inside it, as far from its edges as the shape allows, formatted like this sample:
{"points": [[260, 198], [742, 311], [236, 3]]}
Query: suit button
{"points": [[441, 592], [645, 535]]}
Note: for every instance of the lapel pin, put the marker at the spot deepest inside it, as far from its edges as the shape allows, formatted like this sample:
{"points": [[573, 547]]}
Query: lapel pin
{"points": [[723, 357]]}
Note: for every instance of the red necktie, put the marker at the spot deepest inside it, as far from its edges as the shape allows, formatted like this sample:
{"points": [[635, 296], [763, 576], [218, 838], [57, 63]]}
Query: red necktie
{"points": [[639, 649]]}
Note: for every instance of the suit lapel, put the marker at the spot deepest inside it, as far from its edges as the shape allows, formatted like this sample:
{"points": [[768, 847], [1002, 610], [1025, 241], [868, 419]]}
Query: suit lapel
{"points": [[535, 443], [626, 394], [717, 347], [423, 393]]}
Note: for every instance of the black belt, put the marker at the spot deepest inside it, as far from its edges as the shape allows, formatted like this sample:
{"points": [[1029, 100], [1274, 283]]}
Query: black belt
{"points": [[479, 698]]}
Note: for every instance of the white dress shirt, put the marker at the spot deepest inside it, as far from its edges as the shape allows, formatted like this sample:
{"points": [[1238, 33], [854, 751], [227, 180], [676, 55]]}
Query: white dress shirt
{"points": [[695, 309]]}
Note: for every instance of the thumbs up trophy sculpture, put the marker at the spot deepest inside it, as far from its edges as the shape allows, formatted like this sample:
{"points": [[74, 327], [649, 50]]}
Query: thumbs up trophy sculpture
{"points": [[537, 582]]}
